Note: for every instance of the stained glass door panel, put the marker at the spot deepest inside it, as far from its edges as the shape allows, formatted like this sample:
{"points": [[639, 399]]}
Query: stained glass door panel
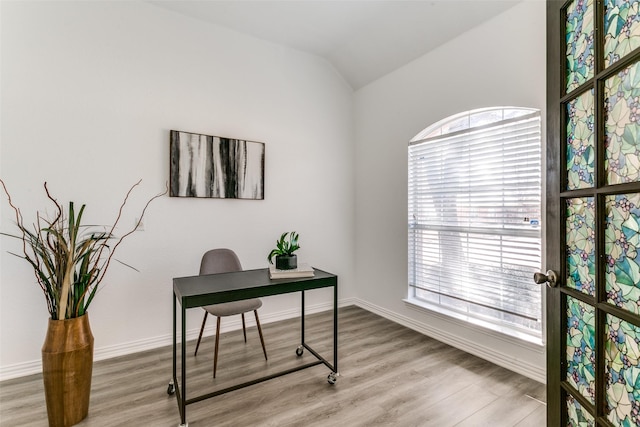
{"points": [[622, 372], [581, 245], [581, 356], [593, 203], [621, 29], [621, 251], [622, 125], [580, 140], [577, 417], [579, 43]]}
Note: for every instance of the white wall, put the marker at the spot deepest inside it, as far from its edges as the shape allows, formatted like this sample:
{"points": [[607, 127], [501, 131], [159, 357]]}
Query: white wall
{"points": [[90, 91], [501, 62]]}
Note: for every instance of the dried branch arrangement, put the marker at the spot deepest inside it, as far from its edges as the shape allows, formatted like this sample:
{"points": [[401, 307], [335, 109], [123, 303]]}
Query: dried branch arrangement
{"points": [[69, 259]]}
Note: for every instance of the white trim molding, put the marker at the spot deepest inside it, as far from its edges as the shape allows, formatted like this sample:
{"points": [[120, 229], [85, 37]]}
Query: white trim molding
{"points": [[490, 354], [35, 366]]}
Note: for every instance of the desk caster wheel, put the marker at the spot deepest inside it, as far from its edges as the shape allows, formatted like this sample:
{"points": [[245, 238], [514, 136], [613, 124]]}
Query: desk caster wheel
{"points": [[332, 378], [171, 389], [299, 351]]}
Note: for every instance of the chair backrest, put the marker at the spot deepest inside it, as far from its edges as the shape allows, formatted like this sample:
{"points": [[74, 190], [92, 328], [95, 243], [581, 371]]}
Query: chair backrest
{"points": [[219, 261]]}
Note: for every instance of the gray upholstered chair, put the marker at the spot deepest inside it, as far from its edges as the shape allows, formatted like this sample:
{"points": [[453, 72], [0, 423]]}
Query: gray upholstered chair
{"points": [[226, 261]]}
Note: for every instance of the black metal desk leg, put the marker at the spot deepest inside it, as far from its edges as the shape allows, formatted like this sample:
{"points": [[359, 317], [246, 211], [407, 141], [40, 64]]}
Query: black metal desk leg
{"points": [[173, 378], [335, 328], [183, 380], [302, 322], [171, 389]]}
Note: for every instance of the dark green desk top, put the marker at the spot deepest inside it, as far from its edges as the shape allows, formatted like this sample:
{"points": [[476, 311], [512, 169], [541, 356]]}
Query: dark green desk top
{"points": [[197, 291]]}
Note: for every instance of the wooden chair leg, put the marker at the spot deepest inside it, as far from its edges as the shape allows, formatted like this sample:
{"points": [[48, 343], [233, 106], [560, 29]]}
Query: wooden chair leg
{"points": [[201, 330], [215, 354], [264, 350], [244, 329]]}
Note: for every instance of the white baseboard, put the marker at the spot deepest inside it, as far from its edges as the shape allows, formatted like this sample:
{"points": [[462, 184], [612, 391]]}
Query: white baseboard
{"points": [[491, 354], [35, 366], [20, 370]]}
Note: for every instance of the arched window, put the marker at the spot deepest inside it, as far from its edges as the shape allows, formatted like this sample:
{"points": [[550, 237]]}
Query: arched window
{"points": [[474, 218]]}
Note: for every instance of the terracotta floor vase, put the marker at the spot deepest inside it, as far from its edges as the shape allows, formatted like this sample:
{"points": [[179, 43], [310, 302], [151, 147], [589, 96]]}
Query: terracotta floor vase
{"points": [[67, 364]]}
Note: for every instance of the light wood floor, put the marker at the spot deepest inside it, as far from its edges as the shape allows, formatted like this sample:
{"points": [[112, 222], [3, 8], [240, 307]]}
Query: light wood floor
{"points": [[389, 376]]}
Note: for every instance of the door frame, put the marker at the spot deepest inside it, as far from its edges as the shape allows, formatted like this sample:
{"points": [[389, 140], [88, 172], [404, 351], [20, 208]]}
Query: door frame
{"points": [[553, 297]]}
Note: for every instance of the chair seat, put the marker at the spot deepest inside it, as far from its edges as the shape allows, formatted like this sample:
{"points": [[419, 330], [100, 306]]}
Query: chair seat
{"points": [[233, 308]]}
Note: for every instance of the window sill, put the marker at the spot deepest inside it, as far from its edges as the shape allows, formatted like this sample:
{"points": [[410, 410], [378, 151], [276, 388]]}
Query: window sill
{"points": [[512, 334]]}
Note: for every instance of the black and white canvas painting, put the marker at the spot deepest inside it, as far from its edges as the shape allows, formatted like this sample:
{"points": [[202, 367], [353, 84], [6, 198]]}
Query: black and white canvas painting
{"points": [[212, 166]]}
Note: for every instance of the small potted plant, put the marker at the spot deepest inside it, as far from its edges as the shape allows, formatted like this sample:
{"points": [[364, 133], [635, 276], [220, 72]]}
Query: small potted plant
{"points": [[284, 252]]}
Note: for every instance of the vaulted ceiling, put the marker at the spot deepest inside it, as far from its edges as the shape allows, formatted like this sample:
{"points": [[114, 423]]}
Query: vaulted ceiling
{"points": [[364, 40]]}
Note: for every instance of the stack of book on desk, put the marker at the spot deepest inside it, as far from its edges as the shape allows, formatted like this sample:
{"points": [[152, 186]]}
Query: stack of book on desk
{"points": [[303, 270]]}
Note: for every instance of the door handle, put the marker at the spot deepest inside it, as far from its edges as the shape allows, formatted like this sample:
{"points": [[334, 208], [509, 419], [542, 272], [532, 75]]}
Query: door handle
{"points": [[551, 278]]}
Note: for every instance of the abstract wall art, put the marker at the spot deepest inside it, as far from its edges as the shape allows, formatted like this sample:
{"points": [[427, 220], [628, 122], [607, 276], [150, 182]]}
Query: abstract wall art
{"points": [[215, 167]]}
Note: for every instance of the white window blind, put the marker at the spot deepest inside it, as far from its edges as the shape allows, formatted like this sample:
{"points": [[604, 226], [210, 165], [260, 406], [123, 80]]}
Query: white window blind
{"points": [[474, 217]]}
